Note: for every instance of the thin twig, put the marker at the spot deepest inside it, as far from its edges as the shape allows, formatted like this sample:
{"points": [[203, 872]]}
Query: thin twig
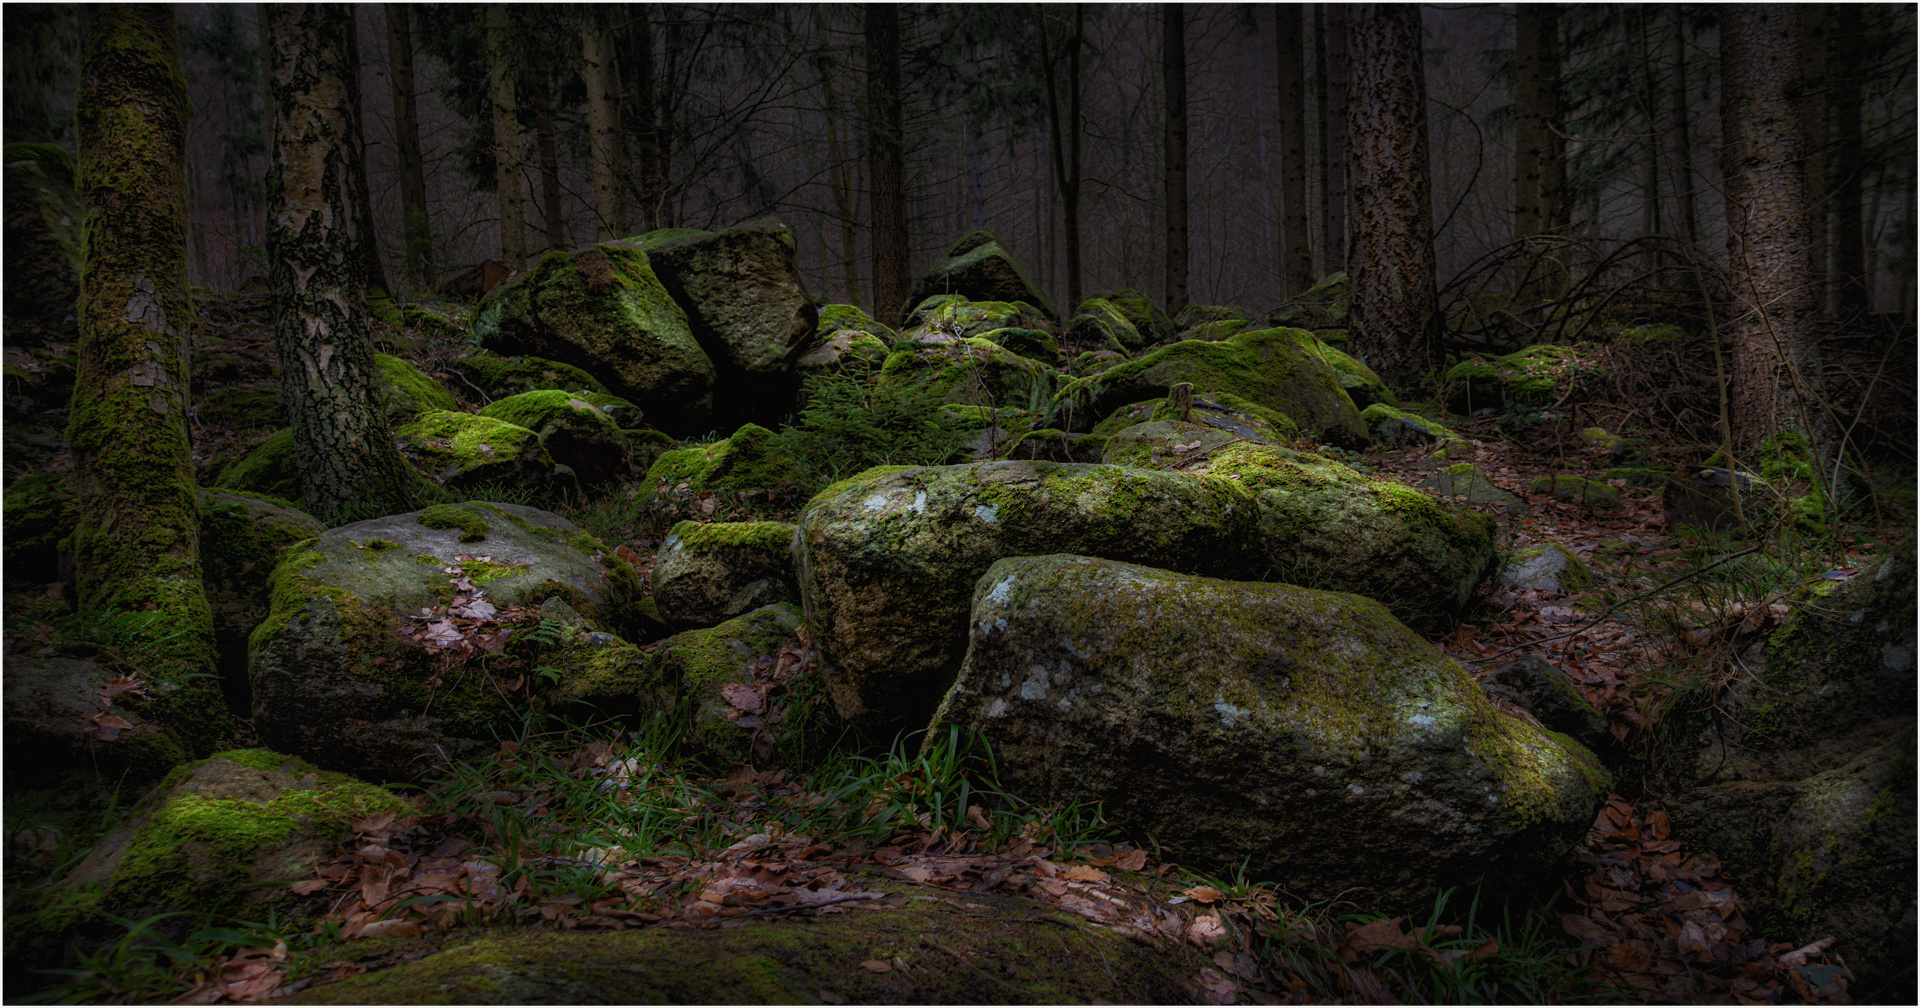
{"points": [[1616, 606]]}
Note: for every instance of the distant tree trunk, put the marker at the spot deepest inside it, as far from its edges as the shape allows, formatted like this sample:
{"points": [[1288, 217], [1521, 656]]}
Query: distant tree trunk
{"points": [[653, 138], [1814, 21], [376, 274], [1849, 158], [348, 465], [1540, 159], [1682, 123], [137, 546], [1775, 355], [840, 179], [1652, 218], [1173, 62], [550, 206], [1335, 149], [406, 130], [1329, 262], [506, 137], [1066, 147], [1297, 264], [1394, 305], [604, 135], [886, 163]]}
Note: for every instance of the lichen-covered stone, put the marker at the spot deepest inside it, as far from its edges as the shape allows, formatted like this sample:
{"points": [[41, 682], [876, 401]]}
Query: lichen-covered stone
{"points": [[972, 372], [405, 392], [605, 311], [1092, 362], [1715, 498], [1363, 386], [1092, 334], [1336, 749], [709, 573], [213, 838], [1115, 322], [980, 268], [1033, 344], [1536, 686], [334, 683], [1324, 306], [1162, 444], [49, 701], [43, 239], [266, 471], [242, 539], [1266, 367], [1214, 330], [836, 317], [888, 558], [958, 317], [497, 377], [467, 450], [1536, 376], [1145, 313], [746, 462], [1199, 315], [1549, 567], [847, 349], [1394, 427], [1578, 490], [742, 292], [1223, 411], [576, 431], [1466, 480]]}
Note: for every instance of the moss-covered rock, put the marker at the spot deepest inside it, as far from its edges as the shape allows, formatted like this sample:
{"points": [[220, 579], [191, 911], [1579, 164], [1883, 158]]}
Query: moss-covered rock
{"points": [[845, 350], [1323, 306], [1049, 444], [497, 377], [1114, 321], [50, 701], [1145, 313], [1092, 333], [835, 317], [215, 838], [1267, 367], [888, 558], [1536, 376], [334, 681], [1214, 330], [1536, 686], [466, 450], [980, 268], [1466, 480], [267, 471], [604, 310], [242, 539], [1578, 490], [974, 372], [1639, 476], [1337, 750], [1192, 316], [1548, 567], [1162, 444], [40, 510], [1716, 498], [1362, 385], [709, 573], [1222, 411], [577, 432], [747, 462], [1396, 427], [43, 238], [405, 392], [958, 317], [1092, 362]]}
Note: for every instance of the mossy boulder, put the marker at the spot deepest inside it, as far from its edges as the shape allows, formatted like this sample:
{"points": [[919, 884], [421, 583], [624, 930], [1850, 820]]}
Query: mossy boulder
{"points": [[242, 539], [1548, 567], [1033, 344], [335, 681], [846, 350], [1323, 306], [1199, 315], [748, 462], [1578, 490], [40, 509], [44, 215], [709, 573], [1162, 444], [833, 318], [1267, 367], [1639, 476], [1114, 321], [581, 432], [404, 392], [1395, 427], [1362, 385], [1092, 362], [980, 268], [1716, 498], [603, 310], [888, 558], [1466, 480], [268, 470], [1092, 333], [1337, 750], [974, 372], [1050, 444], [1222, 411], [1535, 376], [955, 316], [1215, 330], [497, 377], [1145, 313], [1533, 684], [466, 450], [216, 837], [50, 702]]}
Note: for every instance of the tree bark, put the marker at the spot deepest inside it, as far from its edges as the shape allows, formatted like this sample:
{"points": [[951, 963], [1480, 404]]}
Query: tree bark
{"points": [[376, 273], [1682, 123], [1540, 151], [1335, 149], [506, 137], [654, 151], [604, 135], [1173, 62], [886, 163], [1065, 137], [418, 229], [1775, 358], [1329, 262], [1394, 306], [551, 210], [137, 546], [1849, 157], [1296, 269], [349, 468], [842, 181]]}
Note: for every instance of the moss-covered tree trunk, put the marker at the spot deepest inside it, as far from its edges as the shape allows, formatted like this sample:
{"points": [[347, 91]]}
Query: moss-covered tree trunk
{"points": [[137, 545], [349, 467]]}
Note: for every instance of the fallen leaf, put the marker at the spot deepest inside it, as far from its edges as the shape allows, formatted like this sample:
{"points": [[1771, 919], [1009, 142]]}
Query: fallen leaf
{"points": [[1204, 894], [877, 966], [107, 720], [1206, 930], [310, 886], [743, 697], [1132, 860], [394, 928], [1082, 873]]}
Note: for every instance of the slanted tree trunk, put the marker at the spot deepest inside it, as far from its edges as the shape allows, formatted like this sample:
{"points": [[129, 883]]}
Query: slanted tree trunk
{"points": [[1296, 269], [551, 210], [506, 137], [1173, 63], [348, 465], [1334, 151], [406, 130], [137, 546], [886, 163], [605, 151], [1775, 358], [1394, 308]]}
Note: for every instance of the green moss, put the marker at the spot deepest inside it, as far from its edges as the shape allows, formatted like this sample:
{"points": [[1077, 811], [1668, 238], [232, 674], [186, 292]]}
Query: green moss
{"points": [[498, 377], [406, 391], [473, 528], [268, 470], [379, 545], [768, 536], [1578, 490], [835, 317]]}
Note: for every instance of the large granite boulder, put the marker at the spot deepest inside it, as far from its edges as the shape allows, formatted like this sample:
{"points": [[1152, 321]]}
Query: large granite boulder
{"points": [[466, 451], [1306, 737], [973, 372], [370, 658], [981, 269], [603, 309], [709, 573], [496, 377], [243, 537], [1146, 315], [949, 315], [1324, 306], [698, 480], [579, 430], [61, 717], [1267, 366], [43, 221], [888, 559], [404, 392], [1801, 777], [1116, 323]]}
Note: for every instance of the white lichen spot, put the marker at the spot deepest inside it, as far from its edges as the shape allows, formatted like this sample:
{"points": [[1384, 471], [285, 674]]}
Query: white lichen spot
{"points": [[673, 543], [998, 708], [1356, 789], [1311, 793], [876, 502], [990, 515], [999, 592], [919, 505], [1035, 688], [1421, 721], [1319, 771], [1229, 714]]}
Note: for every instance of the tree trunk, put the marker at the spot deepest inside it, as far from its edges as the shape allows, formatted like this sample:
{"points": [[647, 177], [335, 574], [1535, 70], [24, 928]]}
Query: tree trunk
{"points": [[1394, 306], [1849, 157], [1540, 160], [506, 137], [1814, 21], [1682, 124], [604, 135], [406, 130], [886, 163], [376, 274], [1652, 218], [1775, 356], [349, 468], [1065, 137], [840, 179], [1329, 263], [1335, 148], [550, 206], [1297, 263], [1173, 62], [137, 546], [653, 138]]}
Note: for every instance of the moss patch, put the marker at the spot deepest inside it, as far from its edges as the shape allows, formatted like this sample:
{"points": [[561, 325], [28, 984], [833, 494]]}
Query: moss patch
{"points": [[473, 528]]}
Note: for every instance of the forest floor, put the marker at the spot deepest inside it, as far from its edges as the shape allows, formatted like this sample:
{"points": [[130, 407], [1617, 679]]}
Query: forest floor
{"points": [[1640, 915]]}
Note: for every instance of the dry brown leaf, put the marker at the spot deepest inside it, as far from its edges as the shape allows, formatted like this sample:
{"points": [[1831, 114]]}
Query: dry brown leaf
{"points": [[1205, 930], [1204, 894], [1083, 873], [395, 928], [877, 966]]}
